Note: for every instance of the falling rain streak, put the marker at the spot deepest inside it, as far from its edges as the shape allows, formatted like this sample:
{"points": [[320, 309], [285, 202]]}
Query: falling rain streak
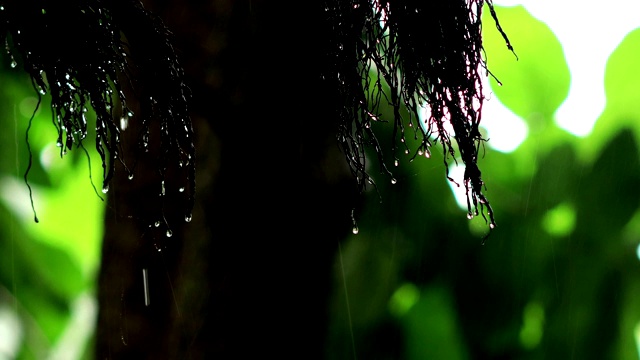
{"points": [[145, 283]]}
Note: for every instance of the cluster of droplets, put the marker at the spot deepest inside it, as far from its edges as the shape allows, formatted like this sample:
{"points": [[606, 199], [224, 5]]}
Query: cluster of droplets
{"points": [[427, 55], [86, 71]]}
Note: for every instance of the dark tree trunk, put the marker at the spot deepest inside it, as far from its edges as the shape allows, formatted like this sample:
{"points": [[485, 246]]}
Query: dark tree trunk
{"points": [[251, 272]]}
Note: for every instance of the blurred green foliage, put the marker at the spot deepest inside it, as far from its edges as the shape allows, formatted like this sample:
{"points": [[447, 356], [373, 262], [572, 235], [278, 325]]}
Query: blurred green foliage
{"points": [[558, 278], [47, 269]]}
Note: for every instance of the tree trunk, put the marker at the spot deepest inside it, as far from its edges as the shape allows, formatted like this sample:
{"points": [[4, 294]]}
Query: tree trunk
{"points": [[251, 272]]}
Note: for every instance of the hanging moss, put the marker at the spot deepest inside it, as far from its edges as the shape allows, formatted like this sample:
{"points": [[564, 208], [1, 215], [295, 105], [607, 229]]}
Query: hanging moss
{"points": [[86, 54], [421, 53]]}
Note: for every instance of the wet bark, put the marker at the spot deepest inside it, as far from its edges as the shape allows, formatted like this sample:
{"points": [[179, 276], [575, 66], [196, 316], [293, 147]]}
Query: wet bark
{"points": [[251, 272]]}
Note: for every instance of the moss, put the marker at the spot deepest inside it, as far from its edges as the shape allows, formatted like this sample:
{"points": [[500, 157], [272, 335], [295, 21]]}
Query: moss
{"points": [[89, 54]]}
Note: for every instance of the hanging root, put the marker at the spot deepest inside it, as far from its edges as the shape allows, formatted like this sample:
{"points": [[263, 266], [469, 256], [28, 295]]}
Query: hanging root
{"points": [[81, 53], [410, 54]]}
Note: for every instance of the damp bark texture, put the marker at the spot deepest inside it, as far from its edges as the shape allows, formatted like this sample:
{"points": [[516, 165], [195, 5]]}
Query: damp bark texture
{"points": [[86, 55], [411, 55]]}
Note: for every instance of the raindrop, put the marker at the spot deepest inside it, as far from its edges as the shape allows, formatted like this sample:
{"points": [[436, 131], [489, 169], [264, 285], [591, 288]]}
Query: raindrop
{"points": [[13, 63], [492, 225], [105, 189], [162, 191], [181, 189], [420, 152], [406, 151], [355, 229], [130, 177], [188, 218], [157, 224], [395, 162], [169, 233], [124, 123], [393, 181], [469, 216]]}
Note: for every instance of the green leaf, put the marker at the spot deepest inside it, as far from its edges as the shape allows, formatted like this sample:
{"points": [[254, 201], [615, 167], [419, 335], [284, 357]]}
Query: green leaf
{"points": [[621, 88], [610, 193], [431, 327], [536, 84]]}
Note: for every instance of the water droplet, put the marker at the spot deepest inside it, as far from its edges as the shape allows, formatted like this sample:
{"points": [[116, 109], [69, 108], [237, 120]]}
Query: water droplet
{"points": [[105, 189], [492, 225], [130, 177], [162, 191], [169, 233], [395, 162], [469, 216], [188, 218], [124, 123], [355, 230], [13, 64], [393, 181], [181, 189], [157, 224], [420, 152], [406, 151]]}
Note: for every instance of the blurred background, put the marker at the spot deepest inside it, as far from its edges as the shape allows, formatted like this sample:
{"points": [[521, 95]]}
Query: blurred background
{"points": [[558, 278]]}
